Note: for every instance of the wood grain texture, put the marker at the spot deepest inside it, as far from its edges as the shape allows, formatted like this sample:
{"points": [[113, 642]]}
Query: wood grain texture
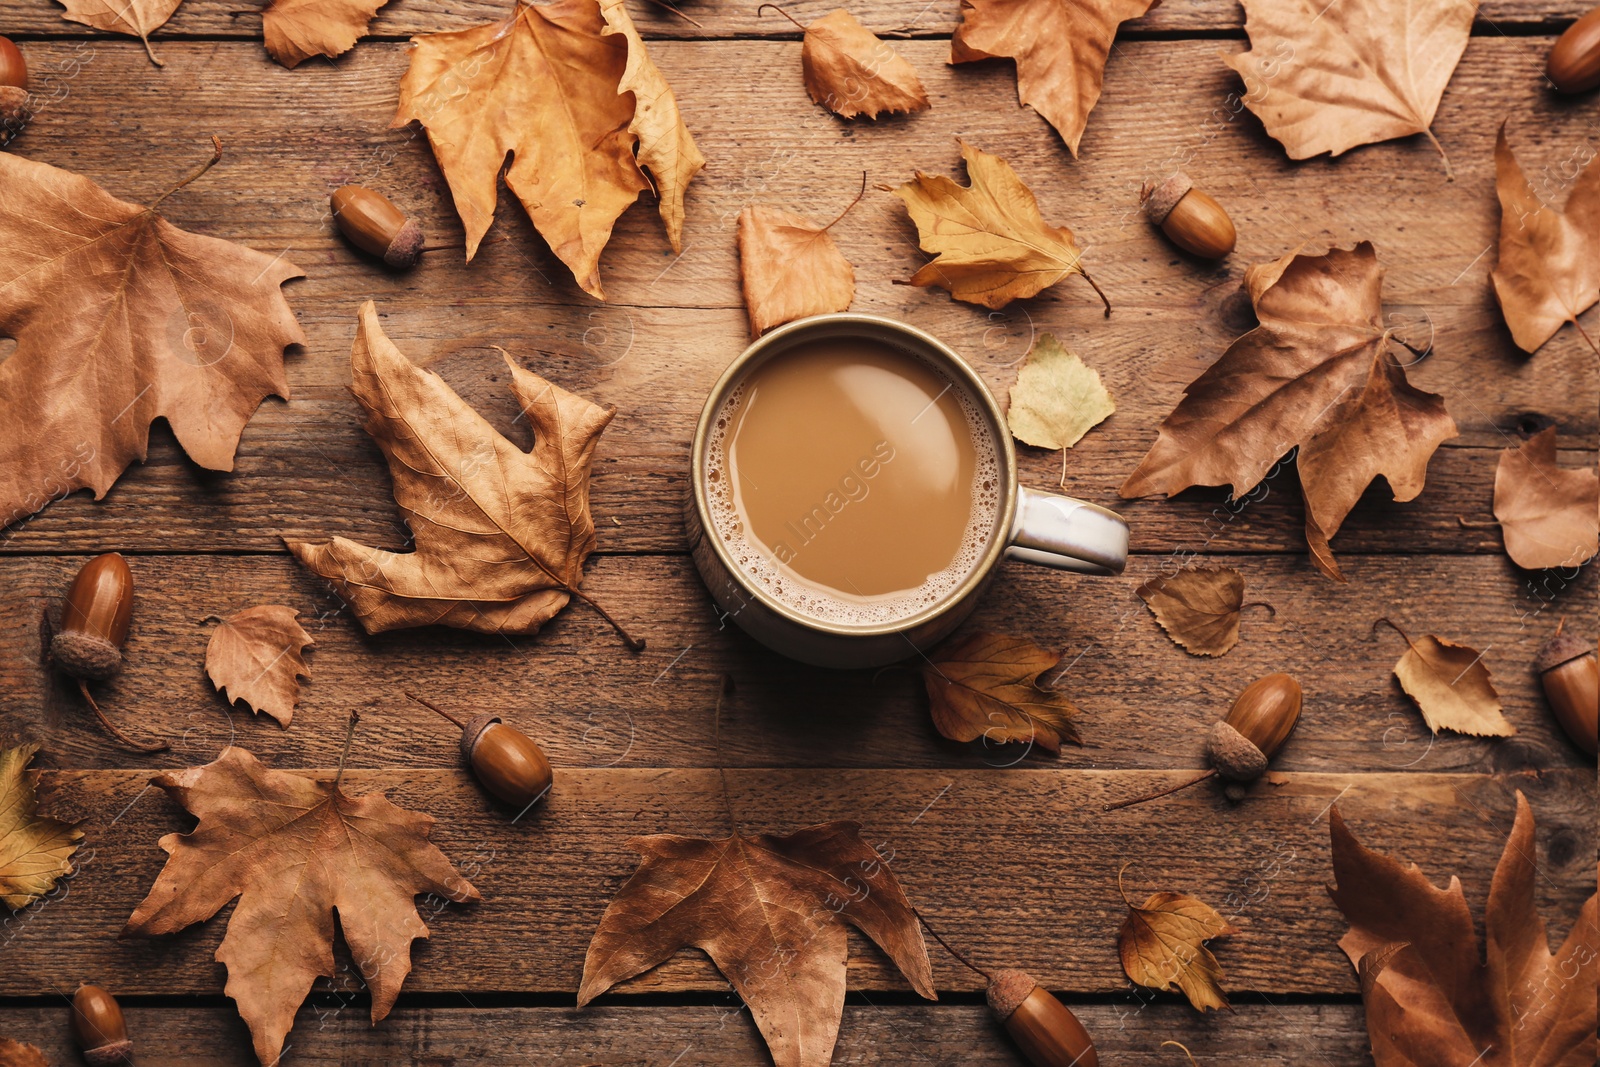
{"points": [[1019, 867], [305, 469]]}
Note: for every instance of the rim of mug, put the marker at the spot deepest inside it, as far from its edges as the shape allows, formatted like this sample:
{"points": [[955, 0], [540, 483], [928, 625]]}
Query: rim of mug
{"points": [[951, 363]]}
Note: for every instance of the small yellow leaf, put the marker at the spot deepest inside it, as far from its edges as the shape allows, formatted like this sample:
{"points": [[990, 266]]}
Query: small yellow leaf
{"points": [[1162, 945], [1451, 686], [34, 850], [256, 656], [1058, 398], [789, 268]]}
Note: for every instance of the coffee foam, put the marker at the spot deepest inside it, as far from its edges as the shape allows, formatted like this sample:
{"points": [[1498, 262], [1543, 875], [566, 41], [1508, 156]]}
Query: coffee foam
{"points": [[828, 605]]}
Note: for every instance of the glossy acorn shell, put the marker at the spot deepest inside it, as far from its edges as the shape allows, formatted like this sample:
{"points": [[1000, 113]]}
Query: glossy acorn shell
{"points": [[371, 222], [1266, 711], [505, 761], [100, 599], [1044, 1029], [99, 1028], [13, 68], [1574, 62], [1569, 672], [1191, 218]]}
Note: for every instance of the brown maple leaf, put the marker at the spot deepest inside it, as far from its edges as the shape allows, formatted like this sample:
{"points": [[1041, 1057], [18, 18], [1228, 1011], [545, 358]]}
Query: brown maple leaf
{"points": [[1162, 946], [294, 850], [1433, 997], [296, 30], [1316, 375], [1549, 268], [137, 18], [789, 267], [1451, 686], [1060, 47], [771, 913], [987, 685], [500, 534], [1549, 515], [567, 89], [255, 655], [18, 1054], [991, 245], [1198, 607], [121, 318], [1328, 77], [849, 71], [35, 850]]}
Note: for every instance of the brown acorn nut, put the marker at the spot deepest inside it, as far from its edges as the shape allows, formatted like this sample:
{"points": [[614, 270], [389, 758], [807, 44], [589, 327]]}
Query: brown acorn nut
{"points": [[505, 760], [1190, 218], [1569, 671], [94, 627], [1046, 1031], [1261, 718], [1574, 63], [14, 109], [98, 1025], [371, 222]]}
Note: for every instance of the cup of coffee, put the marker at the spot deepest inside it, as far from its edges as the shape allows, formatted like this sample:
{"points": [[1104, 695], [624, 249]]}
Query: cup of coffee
{"points": [[853, 488]]}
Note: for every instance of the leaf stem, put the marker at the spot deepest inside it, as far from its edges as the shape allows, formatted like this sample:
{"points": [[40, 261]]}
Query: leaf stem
{"points": [[852, 203], [634, 644], [675, 11], [724, 690], [137, 746], [150, 51], [780, 11], [1103, 298], [1584, 334], [216, 157], [1385, 620], [430, 704], [949, 948], [1163, 793], [1449, 174], [349, 735], [1186, 1052]]}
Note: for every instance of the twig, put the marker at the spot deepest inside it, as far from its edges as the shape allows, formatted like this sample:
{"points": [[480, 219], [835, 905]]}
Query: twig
{"points": [[137, 746], [948, 948], [435, 707], [1163, 793], [349, 735]]}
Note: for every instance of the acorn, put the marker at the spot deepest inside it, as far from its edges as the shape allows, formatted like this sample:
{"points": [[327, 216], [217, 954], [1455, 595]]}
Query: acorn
{"points": [[98, 1025], [1574, 62], [1190, 218], [370, 221], [505, 760], [94, 627], [1570, 675], [14, 109], [1046, 1031]]}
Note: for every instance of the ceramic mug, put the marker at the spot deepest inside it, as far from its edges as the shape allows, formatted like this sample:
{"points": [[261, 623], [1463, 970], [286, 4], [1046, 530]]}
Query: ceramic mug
{"points": [[1043, 528]]}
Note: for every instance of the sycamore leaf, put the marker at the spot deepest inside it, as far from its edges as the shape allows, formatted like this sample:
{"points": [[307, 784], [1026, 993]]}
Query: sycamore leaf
{"points": [[771, 913], [1549, 267], [1162, 945], [137, 18], [1549, 515], [1316, 374], [120, 319], [990, 242], [1198, 607], [500, 535], [255, 655], [1057, 398], [789, 268], [1060, 47], [1328, 77], [296, 30], [1434, 997], [17, 1054], [849, 71], [1451, 686], [35, 850], [294, 850], [987, 685]]}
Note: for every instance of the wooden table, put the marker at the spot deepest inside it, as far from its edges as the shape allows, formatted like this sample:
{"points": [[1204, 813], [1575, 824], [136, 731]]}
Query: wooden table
{"points": [[1008, 853]]}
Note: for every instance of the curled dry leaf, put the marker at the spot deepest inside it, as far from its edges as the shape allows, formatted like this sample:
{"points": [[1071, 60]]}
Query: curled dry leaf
{"points": [[35, 849], [18, 1054], [987, 685], [990, 242], [1162, 945], [294, 850], [137, 18], [296, 30], [849, 71], [1316, 374], [771, 913], [1326, 78], [1060, 47], [1057, 397], [1198, 607], [1433, 996], [1451, 686], [1549, 515], [120, 319], [1549, 267], [256, 656], [500, 535], [789, 267]]}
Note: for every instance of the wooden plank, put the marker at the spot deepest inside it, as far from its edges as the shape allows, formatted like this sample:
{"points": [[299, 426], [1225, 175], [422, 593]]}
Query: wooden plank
{"points": [[591, 703], [1261, 1033], [1018, 868]]}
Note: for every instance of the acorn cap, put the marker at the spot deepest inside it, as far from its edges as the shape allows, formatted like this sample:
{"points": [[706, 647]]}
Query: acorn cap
{"points": [[1007, 990], [474, 730], [406, 246], [1234, 755], [14, 111], [85, 655], [116, 1054], [1164, 197], [1560, 649]]}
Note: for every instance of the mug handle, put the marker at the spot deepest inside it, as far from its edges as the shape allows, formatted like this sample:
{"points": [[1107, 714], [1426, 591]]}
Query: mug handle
{"points": [[1067, 534]]}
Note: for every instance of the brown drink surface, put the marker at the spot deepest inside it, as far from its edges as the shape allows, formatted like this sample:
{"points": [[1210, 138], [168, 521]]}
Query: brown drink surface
{"points": [[853, 480]]}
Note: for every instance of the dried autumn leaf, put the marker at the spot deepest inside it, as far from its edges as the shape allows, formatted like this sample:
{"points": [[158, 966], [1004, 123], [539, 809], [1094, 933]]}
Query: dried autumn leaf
{"points": [[1451, 686], [296, 30], [1549, 268], [1057, 397], [137, 18], [35, 850], [789, 267], [294, 850], [1328, 77], [121, 318], [1060, 47], [1549, 515], [1316, 374], [1162, 945], [770, 912], [987, 685], [255, 655], [849, 71], [1198, 607], [990, 243], [500, 535], [1433, 997], [17, 1054]]}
